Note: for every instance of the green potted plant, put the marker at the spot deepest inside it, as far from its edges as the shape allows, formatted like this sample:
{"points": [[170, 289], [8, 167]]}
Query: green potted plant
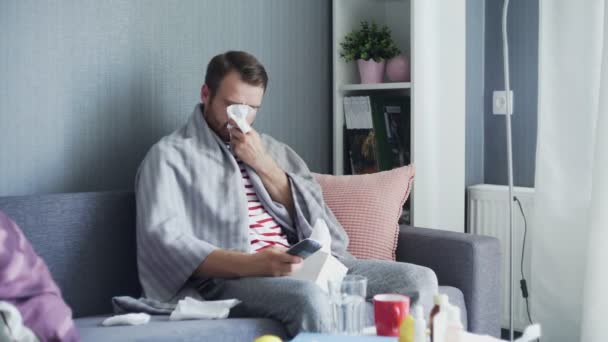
{"points": [[370, 46]]}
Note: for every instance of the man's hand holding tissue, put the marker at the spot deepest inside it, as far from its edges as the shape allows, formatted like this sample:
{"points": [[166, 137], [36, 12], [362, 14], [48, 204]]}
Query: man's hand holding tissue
{"points": [[249, 148], [269, 262]]}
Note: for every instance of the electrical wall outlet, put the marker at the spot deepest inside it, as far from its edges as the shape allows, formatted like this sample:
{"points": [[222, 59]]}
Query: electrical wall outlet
{"points": [[499, 102]]}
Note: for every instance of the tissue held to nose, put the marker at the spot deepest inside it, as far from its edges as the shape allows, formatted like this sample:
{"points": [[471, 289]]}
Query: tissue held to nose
{"points": [[239, 113]]}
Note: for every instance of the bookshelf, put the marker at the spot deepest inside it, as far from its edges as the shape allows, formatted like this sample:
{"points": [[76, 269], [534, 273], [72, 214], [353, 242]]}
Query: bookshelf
{"points": [[432, 33]]}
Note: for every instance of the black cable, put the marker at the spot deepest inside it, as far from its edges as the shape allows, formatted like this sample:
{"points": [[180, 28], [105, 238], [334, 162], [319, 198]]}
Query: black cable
{"points": [[523, 284], [524, 288]]}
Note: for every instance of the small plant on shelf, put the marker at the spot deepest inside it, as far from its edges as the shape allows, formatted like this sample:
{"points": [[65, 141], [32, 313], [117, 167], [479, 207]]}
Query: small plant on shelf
{"points": [[370, 46], [369, 43]]}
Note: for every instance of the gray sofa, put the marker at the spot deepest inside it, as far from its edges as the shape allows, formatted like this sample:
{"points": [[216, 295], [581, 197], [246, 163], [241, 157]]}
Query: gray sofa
{"points": [[88, 242]]}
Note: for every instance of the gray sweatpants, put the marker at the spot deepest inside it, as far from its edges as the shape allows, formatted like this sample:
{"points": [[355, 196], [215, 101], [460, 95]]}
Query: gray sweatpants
{"points": [[303, 307]]}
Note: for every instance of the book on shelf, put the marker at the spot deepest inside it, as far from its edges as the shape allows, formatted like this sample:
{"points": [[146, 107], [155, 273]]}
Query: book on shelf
{"points": [[377, 132], [359, 135], [362, 151], [391, 116]]}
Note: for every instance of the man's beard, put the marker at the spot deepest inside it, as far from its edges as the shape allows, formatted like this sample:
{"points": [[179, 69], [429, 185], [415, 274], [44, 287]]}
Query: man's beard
{"points": [[221, 129]]}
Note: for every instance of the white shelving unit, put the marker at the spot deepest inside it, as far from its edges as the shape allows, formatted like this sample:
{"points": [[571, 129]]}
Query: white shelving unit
{"points": [[378, 86], [432, 33]]}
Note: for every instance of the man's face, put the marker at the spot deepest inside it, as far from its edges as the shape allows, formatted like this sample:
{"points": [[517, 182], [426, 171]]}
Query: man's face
{"points": [[232, 90]]}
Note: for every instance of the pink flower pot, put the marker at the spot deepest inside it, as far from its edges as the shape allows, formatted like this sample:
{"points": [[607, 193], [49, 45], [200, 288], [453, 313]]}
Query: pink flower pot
{"points": [[370, 71], [398, 69]]}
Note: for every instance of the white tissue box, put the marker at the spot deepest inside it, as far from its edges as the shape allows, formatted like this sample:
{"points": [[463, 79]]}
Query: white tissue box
{"points": [[321, 267]]}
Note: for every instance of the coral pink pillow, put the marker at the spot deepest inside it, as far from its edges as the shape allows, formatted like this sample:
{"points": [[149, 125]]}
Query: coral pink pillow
{"points": [[368, 207]]}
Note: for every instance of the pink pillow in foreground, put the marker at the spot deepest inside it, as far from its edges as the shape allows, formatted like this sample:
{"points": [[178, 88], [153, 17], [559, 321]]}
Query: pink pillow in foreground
{"points": [[368, 207], [27, 284]]}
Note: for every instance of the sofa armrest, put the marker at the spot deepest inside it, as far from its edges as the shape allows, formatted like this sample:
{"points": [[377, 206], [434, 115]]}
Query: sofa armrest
{"points": [[468, 262]]}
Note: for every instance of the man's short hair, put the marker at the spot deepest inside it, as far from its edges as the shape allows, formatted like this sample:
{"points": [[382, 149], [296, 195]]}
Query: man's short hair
{"points": [[249, 68]]}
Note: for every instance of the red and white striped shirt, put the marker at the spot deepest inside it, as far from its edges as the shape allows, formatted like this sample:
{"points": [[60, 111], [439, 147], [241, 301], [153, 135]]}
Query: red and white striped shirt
{"points": [[264, 231]]}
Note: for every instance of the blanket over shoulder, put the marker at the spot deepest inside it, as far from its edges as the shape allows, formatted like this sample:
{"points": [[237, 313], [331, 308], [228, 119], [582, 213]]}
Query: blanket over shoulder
{"points": [[190, 201]]}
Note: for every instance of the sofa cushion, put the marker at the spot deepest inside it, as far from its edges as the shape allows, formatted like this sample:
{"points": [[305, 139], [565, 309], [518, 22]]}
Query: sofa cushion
{"points": [[368, 207], [161, 329], [232, 329]]}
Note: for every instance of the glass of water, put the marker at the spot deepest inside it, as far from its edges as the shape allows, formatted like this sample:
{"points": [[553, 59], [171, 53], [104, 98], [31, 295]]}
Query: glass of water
{"points": [[347, 298]]}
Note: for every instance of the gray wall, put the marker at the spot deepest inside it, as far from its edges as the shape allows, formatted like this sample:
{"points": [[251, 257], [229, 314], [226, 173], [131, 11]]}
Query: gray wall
{"points": [[86, 87], [523, 54], [474, 147]]}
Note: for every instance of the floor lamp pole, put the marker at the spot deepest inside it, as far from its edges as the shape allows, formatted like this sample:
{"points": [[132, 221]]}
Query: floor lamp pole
{"points": [[505, 52]]}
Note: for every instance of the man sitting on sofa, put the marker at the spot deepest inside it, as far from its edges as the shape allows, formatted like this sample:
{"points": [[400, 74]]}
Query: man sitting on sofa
{"points": [[217, 208]]}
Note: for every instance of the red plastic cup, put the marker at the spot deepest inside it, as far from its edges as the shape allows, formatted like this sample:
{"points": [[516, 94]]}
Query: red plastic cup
{"points": [[389, 311]]}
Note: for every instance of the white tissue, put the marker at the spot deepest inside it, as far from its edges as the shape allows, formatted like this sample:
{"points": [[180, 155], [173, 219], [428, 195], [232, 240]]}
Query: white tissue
{"points": [[320, 233], [128, 319], [190, 308], [11, 325], [238, 113]]}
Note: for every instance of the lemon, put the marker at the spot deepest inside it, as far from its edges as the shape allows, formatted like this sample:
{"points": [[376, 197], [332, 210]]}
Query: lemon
{"points": [[268, 338]]}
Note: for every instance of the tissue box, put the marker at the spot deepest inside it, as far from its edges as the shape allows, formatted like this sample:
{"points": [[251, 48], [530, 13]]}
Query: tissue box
{"points": [[320, 268]]}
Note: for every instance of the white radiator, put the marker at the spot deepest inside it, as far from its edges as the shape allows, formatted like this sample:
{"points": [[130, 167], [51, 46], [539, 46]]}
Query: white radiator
{"points": [[488, 214]]}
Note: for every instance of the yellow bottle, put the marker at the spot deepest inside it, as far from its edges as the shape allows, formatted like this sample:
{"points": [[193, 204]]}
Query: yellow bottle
{"points": [[406, 329]]}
